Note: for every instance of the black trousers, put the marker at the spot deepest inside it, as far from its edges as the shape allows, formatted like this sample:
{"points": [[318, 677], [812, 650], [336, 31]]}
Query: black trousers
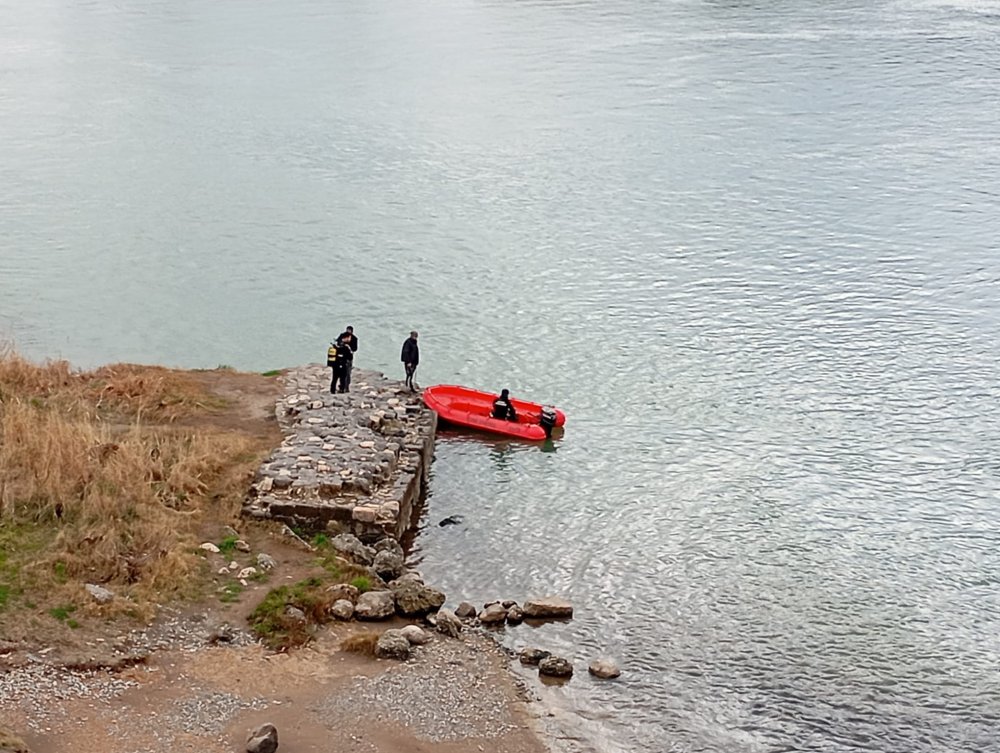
{"points": [[411, 369]]}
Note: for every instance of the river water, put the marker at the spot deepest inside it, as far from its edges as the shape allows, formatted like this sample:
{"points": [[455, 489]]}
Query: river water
{"points": [[750, 247]]}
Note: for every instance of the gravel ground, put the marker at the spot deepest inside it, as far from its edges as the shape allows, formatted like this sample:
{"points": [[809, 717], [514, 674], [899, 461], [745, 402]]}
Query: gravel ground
{"points": [[207, 713], [34, 688], [447, 692]]}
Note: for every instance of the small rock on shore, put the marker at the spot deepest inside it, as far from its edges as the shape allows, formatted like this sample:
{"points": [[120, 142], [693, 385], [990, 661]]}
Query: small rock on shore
{"points": [[264, 739]]}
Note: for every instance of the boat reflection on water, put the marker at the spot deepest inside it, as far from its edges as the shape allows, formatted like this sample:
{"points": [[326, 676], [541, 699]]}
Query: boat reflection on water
{"points": [[497, 445]]}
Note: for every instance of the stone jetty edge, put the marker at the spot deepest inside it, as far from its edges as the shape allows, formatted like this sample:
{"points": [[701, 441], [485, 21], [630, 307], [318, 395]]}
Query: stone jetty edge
{"points": [[354, 462], [356, 465]]}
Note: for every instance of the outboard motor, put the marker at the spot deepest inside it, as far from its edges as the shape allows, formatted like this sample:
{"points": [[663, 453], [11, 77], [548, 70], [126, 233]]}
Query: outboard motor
{"points": [[547, 420]]}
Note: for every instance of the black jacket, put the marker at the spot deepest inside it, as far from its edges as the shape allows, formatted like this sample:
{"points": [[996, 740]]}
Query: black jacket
{"points": [[344, 354], [504, 409], [411, 352], [351, 340]]}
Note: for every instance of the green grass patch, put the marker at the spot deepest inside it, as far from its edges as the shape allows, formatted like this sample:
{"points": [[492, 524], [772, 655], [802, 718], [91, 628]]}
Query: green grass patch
{"points": [[272, 373], [230, 593], [271, 622], [320, 541], [60, 572], [4, 595], [62, 613], [228, 544], [362, 583]]}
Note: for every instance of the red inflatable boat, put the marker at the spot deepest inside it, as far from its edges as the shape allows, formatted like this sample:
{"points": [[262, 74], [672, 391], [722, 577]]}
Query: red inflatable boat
{"points": [[468, 407]]}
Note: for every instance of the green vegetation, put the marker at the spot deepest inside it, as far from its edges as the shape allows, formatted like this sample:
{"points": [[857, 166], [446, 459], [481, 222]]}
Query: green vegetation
{"points": [[62, 613], [362, 583], [228, 544], [230, 592], [320, 541], [272, 623], [272, 373]]}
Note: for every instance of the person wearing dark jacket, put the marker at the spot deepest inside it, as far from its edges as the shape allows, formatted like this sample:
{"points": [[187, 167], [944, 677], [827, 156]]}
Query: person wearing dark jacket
{"points": [[410, 358], [341, 365], [348, 338], [503, 408]]}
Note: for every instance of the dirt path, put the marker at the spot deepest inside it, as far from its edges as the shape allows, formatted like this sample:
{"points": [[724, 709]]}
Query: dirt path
{"points": [[453, 696]]}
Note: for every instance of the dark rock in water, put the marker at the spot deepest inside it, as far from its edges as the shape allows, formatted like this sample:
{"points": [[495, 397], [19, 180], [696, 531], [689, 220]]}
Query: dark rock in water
{"points": [[465, 610], [549, 607], [493, 614], [555, 666], [515, 615], [508, 603], [531, 656], [452, 520], [264, 739]]}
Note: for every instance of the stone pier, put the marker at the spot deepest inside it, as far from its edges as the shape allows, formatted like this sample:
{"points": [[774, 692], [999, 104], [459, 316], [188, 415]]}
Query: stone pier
{"points": [[356, 462]]}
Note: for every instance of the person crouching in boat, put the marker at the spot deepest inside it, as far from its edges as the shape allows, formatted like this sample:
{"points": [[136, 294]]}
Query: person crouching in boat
{"points": [[503, 408]]}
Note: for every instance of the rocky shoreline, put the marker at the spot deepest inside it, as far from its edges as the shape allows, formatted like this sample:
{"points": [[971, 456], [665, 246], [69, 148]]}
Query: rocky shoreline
{"points": [[352, 470]]}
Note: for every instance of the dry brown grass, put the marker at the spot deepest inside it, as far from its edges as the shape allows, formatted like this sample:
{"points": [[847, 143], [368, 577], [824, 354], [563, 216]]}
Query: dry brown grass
{"points": [[360, 643], [96, 457], [12, 743]]}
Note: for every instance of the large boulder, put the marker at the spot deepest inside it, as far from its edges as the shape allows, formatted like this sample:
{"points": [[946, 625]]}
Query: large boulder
{"points": [[375, 605], [416, 635], [548, 607], [448, 623], [392, 644], [555, 666], [264, 739], [344, 591], [415, 599], [515, 615], [465, 610], [350, 546], [389, 544], [388, 565], [342, 609]]}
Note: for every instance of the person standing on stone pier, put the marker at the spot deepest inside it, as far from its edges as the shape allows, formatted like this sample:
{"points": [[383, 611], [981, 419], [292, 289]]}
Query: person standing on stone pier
{"points": [[410, 358], [342, 368], [348, 338]]}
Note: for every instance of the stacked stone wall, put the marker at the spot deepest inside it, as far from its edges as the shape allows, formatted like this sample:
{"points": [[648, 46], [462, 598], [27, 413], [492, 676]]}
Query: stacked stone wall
{"points": [[356, 461]]}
